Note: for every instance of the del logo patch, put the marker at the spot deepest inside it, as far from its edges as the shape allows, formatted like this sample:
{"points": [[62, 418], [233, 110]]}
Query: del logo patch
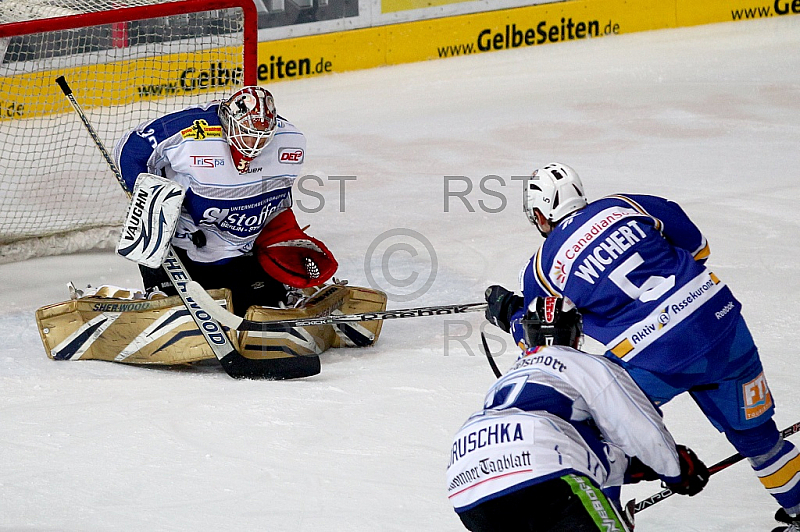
{"points": [[200, 130], [757, 398], [290, 155]]}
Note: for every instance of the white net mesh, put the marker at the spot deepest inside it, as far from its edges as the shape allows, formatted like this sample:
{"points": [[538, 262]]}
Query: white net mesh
{"points": [[53, 179]]}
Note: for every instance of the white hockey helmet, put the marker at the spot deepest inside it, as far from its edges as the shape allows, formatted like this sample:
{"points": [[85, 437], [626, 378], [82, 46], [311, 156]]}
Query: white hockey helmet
{"points": [[249, 119], [554, 190]]}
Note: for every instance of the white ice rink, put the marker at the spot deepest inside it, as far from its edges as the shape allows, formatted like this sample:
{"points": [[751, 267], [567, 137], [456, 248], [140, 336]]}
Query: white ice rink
{"points": [[708, 116]]}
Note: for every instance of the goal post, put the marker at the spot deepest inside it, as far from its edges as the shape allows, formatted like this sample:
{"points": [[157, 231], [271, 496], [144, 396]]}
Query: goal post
{"points": [[128, 61]]}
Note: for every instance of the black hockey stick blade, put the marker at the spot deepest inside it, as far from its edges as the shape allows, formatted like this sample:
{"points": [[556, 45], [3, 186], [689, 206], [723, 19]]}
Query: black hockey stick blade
{"points": [[489, 357], [637, 507], [230, 320], [238, 366]]}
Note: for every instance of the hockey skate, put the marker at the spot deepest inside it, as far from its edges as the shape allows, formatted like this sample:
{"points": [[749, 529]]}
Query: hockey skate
{"points": [[792, 523]]}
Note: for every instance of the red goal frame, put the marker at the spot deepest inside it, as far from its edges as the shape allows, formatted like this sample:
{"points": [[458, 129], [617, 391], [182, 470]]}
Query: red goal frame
{"points": [[183, 7]]}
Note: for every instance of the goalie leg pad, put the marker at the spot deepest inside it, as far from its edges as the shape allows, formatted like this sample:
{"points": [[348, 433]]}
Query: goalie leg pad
{"points": [[316, 339], [360, 334], [293, 341], [139, 331]]}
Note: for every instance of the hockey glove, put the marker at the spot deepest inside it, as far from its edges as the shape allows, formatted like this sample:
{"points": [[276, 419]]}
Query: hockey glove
{"points": [[694, 473], [291, 256], [152, 217], [502, 305], [638, 472]]}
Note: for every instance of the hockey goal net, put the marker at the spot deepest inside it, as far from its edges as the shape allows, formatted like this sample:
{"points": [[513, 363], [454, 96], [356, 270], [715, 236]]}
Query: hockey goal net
{"points": [[127, 61]]}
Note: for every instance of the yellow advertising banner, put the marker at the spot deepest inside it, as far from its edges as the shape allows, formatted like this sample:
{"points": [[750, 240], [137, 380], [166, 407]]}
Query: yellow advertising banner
{"points": [[693, 12], [521, 28], [491, 31], [154, 77], [421, 40], [392, 6]]}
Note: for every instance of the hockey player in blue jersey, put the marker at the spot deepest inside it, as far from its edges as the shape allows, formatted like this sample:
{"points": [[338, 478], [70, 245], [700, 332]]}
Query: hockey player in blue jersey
{"points": [[559, 428], [634, 265], [236, 160]]}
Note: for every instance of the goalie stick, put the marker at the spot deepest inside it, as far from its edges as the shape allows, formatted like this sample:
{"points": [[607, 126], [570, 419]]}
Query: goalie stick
{"points": [[230, 359], [634, 507], [235, 322]]}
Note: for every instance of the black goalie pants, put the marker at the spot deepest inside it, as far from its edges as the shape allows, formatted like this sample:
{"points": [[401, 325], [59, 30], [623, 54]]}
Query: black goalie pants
{"points": [[249, 283]]}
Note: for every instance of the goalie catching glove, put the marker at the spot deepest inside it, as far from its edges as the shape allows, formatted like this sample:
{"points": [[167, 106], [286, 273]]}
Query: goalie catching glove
{"points": [[291, 256]]}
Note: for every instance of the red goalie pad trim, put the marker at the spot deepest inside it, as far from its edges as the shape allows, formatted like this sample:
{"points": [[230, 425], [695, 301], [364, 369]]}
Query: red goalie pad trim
{"points": [[292, 257]]}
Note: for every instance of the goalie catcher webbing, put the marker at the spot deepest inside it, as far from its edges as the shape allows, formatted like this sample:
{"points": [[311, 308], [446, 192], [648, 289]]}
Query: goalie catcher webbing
{"points": [[150, 223], [291, 256]]}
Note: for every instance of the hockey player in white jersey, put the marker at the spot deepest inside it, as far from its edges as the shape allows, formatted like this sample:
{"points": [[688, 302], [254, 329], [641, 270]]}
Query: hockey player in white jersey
{"points": [[236, 160], [555, 431], [634, 265]]}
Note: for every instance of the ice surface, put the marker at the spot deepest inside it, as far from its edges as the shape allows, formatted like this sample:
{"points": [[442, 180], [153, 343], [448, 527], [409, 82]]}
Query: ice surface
{"points": [[707, 116]]}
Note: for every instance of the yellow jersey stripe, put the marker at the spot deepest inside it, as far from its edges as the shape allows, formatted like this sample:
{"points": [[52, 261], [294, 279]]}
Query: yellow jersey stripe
{"points": [[639, 208], [783, 475], [540, 276], [703, 253], [622, 348]]}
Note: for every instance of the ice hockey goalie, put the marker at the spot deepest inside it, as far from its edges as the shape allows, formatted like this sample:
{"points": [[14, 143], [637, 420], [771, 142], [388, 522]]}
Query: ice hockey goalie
{"points": [[121, 325]]}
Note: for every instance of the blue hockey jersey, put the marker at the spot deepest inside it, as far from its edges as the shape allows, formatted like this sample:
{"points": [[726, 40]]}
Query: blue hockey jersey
{"points": [[229, 206], [634, 267]]}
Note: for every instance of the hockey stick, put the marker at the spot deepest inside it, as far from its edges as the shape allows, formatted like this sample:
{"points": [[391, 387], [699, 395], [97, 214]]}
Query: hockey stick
{"points": [[636, 507], [232, 361], [490, 358], [235, 322]]}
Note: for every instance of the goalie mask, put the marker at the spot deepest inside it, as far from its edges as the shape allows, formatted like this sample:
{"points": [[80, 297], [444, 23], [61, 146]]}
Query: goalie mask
{"points": [[248, 119], [554, 190], [555, 321]]}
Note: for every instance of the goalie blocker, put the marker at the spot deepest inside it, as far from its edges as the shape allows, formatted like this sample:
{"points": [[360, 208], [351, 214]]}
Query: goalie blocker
{"points": [[151, 220]]}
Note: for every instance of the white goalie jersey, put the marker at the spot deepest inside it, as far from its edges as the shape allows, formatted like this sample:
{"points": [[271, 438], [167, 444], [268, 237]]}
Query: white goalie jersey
{"points": [[557, 411], [225, 207]]}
